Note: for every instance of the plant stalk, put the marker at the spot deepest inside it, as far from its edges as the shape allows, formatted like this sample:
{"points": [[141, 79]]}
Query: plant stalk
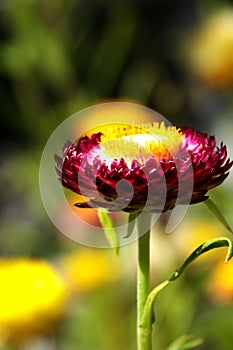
{"points": [[144, 332]]}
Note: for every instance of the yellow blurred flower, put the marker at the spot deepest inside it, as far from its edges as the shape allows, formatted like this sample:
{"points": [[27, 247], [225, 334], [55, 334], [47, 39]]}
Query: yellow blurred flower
{"points": [[220, 286], [211, 50], [87, 269], [32, 298]]}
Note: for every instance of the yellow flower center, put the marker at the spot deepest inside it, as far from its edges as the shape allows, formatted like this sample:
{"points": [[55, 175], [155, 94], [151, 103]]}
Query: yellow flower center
{"points": [[140, 142]]}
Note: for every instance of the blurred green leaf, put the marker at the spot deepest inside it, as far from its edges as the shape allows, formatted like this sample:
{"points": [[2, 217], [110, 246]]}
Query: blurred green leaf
{"points": [[185, 342], [214, 209], [109, 57], [131, 223], [109, 230]]}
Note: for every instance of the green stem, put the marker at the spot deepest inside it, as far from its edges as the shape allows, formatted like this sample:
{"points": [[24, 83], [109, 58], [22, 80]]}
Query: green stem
{"points": [[143, 282]]}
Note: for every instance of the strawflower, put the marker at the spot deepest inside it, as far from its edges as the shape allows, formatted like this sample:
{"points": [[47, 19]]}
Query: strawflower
{"points": [[32, 298], [144, 169], [143, 155]]}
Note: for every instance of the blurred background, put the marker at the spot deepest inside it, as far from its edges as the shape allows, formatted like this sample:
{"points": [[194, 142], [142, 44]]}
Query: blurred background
{"points": [[57, 57]]}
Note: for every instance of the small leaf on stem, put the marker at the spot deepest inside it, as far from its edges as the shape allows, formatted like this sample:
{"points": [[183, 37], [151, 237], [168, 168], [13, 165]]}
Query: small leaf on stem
{"points": [[148, 314], [205, 247]]}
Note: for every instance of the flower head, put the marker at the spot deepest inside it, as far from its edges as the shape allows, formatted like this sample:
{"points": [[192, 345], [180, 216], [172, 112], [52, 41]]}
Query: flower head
{"points": [[154, 161], [32, 298]]}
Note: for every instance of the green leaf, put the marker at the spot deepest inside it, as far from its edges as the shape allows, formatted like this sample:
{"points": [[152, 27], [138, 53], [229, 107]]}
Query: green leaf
{"points": [[214, 209], [131, 223], [203, 248], [148, 317], [109, 229], [185, 342]]}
